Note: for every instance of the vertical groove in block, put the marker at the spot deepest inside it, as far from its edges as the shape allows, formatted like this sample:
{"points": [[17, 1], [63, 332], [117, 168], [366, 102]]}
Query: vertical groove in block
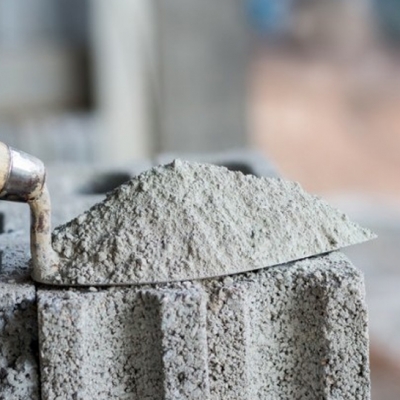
{"points": [[19, 378], [184, 342], [62, 345], [229, 343]]}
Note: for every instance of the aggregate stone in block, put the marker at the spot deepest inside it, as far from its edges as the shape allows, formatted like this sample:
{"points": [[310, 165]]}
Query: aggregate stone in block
{"points": [[294, 331], [19, 370], [247, 161]]}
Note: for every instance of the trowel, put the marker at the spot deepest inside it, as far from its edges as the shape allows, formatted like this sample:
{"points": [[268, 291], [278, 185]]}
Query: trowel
{"points": [[23, 179]]}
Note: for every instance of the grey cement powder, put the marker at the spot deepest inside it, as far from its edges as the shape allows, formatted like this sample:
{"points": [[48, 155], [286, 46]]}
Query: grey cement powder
{"points": [[190, 221]]}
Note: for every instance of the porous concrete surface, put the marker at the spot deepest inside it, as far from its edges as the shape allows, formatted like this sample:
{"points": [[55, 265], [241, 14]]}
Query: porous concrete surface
{"points": [[19, 369], [295, 331], [188, 221], [18, 337]]}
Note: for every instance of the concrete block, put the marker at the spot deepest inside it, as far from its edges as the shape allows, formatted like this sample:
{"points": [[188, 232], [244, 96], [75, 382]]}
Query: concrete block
{"points": [[19, 367], [19, 378], [295, 331], [250, 162]]}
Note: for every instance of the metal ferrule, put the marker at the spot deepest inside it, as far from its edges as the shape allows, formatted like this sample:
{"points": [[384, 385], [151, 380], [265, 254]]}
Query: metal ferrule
{"points": [[26, 177]]}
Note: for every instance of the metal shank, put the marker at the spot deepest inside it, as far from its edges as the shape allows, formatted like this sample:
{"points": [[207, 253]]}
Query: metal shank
{"points": [[26, 177]]}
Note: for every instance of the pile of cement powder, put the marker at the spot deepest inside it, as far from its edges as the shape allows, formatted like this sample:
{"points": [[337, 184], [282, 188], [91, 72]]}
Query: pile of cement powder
{"points": [[190, 221]]}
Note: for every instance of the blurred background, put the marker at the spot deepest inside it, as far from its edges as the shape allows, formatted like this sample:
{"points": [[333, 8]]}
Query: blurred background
{"points": [[311, 84]]}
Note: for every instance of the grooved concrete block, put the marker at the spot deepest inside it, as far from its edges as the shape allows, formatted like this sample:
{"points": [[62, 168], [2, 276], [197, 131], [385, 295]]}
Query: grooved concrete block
{"points": [[295, 331]]}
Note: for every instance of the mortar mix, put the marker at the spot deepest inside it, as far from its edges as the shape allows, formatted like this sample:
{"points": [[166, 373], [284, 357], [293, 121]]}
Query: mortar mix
{"points": [[189, 221]]}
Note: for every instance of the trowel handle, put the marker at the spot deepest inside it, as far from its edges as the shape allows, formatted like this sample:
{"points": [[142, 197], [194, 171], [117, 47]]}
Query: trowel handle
{"points": [[22, 176]]}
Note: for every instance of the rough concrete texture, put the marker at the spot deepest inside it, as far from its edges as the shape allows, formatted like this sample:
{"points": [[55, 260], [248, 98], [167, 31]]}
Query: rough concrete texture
{"points": [[296, 331], [18, 337], [19, 370], [188, 221]]}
